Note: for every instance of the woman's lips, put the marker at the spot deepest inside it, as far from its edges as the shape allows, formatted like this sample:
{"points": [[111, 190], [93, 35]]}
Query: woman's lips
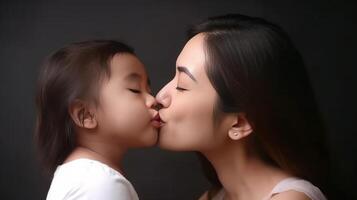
{"points": [[156, 121]]}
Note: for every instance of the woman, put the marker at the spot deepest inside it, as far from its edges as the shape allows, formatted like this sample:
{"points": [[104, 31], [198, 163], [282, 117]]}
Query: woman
{"points": [[241, 98]]}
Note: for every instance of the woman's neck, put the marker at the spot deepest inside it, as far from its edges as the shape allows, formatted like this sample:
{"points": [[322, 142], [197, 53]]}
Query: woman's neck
{"points": [[243, 175]]}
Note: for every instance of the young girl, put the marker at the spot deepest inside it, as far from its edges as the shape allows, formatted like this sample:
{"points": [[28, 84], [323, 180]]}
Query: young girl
{"points": [[93, 103]]}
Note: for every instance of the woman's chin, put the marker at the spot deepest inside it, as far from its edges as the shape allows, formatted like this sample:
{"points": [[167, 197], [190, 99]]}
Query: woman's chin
{"points": [[169, 146], [164, 142]]}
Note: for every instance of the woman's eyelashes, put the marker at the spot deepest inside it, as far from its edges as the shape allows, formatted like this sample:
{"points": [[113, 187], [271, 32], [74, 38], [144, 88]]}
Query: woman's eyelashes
{"points": [[180, 89]]}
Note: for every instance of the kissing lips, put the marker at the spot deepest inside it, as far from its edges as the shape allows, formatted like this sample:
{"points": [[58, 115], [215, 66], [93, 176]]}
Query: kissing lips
{"points": [[156, 121]]}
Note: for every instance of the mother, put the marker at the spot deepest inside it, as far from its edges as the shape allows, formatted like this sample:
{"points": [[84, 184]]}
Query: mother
{"points": [[241, 98]]}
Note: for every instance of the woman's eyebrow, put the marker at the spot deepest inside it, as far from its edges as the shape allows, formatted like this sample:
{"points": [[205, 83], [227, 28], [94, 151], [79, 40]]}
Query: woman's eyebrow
{"points": [[186, 71]]}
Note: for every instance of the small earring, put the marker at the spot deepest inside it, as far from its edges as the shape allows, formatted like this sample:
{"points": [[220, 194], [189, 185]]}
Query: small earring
{"points": [[234, 135]]}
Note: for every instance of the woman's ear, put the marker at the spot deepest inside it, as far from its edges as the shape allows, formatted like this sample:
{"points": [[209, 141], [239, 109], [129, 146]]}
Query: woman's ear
{"points": [[240, 127], [83, 114]]}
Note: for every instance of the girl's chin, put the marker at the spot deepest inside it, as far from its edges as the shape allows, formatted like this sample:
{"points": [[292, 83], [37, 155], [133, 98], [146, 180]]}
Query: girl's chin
{"points": [[154, 137]]}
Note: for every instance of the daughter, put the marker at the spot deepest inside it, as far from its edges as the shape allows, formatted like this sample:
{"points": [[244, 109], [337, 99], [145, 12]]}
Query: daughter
{"points": [[93, 104]]}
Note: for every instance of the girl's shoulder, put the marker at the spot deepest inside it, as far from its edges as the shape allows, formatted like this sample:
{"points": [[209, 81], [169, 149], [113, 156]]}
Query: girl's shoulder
{"points": [[89, 178], [86, 169]]}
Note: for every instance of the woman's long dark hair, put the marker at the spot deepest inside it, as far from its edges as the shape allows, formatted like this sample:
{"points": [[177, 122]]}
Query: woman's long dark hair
{"points": [[73, 72], [255, 69]]}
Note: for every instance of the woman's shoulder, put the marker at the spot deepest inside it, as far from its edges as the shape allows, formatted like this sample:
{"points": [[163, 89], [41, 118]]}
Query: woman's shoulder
{"points": [[204, 196], [291, 195], [212, 194], [290, 188], [295, 188]]}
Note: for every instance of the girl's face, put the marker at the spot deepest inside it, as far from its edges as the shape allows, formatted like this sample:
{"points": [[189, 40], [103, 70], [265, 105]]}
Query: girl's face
{"points": [[125, 113], [188, 101]]}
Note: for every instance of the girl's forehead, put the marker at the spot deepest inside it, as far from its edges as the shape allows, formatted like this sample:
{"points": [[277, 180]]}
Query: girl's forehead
{"points": [[123, 65]]}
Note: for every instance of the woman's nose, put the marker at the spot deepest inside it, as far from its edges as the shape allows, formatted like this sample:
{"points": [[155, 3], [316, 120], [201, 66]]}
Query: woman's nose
{"points": [[164, 96]]}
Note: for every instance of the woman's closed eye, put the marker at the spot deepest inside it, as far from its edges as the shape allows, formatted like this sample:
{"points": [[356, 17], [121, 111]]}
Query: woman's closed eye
{"points": [[180, 89]]}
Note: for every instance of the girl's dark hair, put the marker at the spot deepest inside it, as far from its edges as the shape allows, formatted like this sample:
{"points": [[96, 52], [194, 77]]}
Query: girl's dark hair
{"points": [[255, 69], [73, 72]]}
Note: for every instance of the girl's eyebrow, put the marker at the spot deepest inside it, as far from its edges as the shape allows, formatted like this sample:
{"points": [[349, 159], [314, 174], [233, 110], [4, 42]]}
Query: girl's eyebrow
{"points": [[187, 72], [136, 77], [133, 77]]}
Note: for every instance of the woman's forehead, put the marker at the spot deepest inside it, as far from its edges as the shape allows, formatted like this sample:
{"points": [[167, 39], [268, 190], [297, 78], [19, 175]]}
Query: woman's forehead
{"points": [[192, 55]]}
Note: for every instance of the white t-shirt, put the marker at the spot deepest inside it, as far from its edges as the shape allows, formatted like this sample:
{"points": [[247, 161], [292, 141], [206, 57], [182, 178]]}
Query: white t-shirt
{"points": [[85, 179]]}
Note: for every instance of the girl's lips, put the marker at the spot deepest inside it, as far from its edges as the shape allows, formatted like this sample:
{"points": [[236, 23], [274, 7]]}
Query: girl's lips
{"points": [[155, 124], [156, 121], [157, 117]]}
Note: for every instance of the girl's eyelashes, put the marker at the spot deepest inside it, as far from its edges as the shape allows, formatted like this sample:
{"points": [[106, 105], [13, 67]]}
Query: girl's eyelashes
{"points": [[180, 88], [134, 90]]}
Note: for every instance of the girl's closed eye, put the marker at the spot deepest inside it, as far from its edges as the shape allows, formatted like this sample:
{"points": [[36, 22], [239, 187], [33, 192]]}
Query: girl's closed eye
{"points": [[134, 90]]}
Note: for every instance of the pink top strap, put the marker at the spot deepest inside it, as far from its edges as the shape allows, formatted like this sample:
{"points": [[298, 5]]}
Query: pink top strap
{"points": [[298, 185]]}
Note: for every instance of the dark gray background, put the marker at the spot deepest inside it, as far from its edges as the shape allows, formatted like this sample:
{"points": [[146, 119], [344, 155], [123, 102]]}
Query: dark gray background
{"points": [[324, 32]]}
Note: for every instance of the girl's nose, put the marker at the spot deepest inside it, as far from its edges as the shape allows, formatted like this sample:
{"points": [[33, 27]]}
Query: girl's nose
{"points": [[151, 101], [164, 96]]}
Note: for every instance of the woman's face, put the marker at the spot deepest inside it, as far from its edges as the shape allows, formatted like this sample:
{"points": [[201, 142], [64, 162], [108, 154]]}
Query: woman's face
{"points": [[188, 102]]}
